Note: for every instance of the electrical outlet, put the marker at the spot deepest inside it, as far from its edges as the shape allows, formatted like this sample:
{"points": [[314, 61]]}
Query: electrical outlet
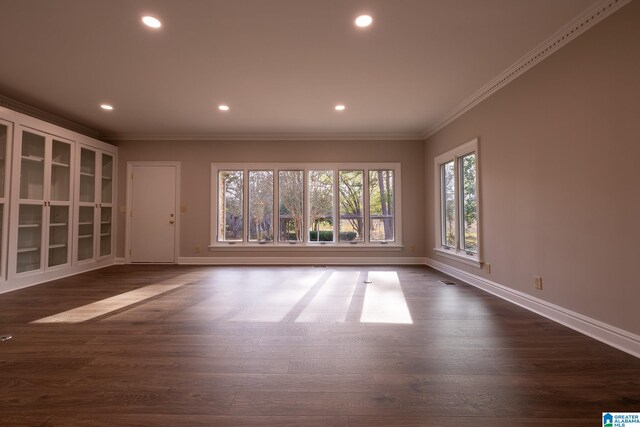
{"points": [[487, 267], [537, 282], [197, 249]]}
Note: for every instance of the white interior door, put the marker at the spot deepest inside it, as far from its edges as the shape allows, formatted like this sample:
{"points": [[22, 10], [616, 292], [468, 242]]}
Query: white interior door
{"points": [[153, 215]]}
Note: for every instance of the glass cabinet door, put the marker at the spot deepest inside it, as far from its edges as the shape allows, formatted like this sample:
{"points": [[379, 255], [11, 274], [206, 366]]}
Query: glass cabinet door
{"points": [[58, 236], [60, 171], [85, 232], [4, 135], [29, 238], [32, 167], [87, 175], [105, 231], [107, 178], [87, 204], [31, 203], [106, 204], [59, 205]]}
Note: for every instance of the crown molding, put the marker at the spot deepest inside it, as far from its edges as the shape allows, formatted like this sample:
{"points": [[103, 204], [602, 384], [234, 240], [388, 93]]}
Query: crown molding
{"points": [[28, 110], [583, 22], [319, 136]]}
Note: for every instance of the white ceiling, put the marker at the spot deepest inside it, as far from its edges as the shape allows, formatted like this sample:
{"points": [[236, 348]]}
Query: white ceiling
{"points": [[281, 65]]}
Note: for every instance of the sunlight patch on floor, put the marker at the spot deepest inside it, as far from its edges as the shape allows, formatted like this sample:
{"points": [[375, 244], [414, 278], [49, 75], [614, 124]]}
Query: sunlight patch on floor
{"points": [[384, 301], [332, 301], [280, 299], [108, 305]]}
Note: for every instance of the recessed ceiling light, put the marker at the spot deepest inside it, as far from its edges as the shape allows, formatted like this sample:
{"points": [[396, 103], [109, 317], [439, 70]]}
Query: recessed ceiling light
{"points": [[107, 107], [223, 107], [363, 21], [340, 107], [151, 22]]}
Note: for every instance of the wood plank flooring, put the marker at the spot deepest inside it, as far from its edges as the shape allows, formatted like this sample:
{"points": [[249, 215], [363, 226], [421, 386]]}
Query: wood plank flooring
{"points": [[289, 346]]}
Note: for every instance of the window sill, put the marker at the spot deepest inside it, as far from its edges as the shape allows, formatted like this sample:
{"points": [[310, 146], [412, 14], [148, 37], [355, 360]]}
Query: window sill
{"points": [[329, 247], [464, 259]]}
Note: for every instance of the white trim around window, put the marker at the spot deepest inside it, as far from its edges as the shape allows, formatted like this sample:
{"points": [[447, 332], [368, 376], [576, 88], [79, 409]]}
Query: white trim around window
{"points": [[310, 229], [457, 186]]}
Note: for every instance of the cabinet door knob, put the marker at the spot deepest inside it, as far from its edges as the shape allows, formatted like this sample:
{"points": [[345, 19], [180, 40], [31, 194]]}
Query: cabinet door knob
{"points": [[171, 221]]}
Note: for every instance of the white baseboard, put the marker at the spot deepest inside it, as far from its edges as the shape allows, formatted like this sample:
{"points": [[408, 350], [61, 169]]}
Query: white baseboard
{"points": [[615, 337], [119, 261], [301, 260]]}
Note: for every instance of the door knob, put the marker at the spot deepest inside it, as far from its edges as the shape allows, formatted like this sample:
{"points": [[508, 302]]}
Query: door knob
{"points": [[171, 221]]}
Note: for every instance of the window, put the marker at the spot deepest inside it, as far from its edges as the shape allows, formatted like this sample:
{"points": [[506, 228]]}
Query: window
{"points": [[457, 215], [261, 206], [381, 209], [469, 204], [351, 193], [230, 214], [448, 211], [291, 205], [310, 204], [321, 206]]}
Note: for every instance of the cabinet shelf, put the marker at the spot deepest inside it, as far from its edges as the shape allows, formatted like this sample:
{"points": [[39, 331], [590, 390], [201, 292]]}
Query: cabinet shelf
{"points": [[36, 159], [59, 164], [59, 245], [92, 175], [58, 224], [105, 234], [28, 225], [85, 236], [25, 250], [85, 223]]}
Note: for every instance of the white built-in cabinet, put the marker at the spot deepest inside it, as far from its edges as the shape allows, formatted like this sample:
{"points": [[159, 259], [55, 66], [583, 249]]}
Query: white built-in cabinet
{"points": [[6, 135], [42, 208], [57, 195], [95, 204]]}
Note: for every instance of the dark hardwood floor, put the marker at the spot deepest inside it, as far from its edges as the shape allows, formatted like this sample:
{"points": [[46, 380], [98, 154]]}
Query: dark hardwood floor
{"points": [[284, 346]]}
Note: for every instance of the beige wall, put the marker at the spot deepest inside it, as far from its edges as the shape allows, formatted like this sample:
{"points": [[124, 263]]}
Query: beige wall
{"points": [[196, 158], [560, 161]]}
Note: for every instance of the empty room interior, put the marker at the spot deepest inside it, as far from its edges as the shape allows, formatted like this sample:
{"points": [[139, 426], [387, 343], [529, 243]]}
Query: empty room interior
{"points": [[319, 213]]}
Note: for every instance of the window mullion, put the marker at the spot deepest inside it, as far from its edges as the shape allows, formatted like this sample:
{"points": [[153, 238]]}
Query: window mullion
{"points": [[216, 179], [442, 205], [306, 206], [457, 192], [275, 217], [336, 205], [365, 207], [245, 205]]}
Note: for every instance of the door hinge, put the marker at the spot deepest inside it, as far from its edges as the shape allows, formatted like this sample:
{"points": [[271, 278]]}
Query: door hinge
{"points": [[129, 252], [131, 176]]}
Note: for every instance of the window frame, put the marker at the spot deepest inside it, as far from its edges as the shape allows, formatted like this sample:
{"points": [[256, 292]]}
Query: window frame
{"points": [[366, 236], [277, 203], [457, 252], [242, 202], [247, 234], [306, 244]]}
